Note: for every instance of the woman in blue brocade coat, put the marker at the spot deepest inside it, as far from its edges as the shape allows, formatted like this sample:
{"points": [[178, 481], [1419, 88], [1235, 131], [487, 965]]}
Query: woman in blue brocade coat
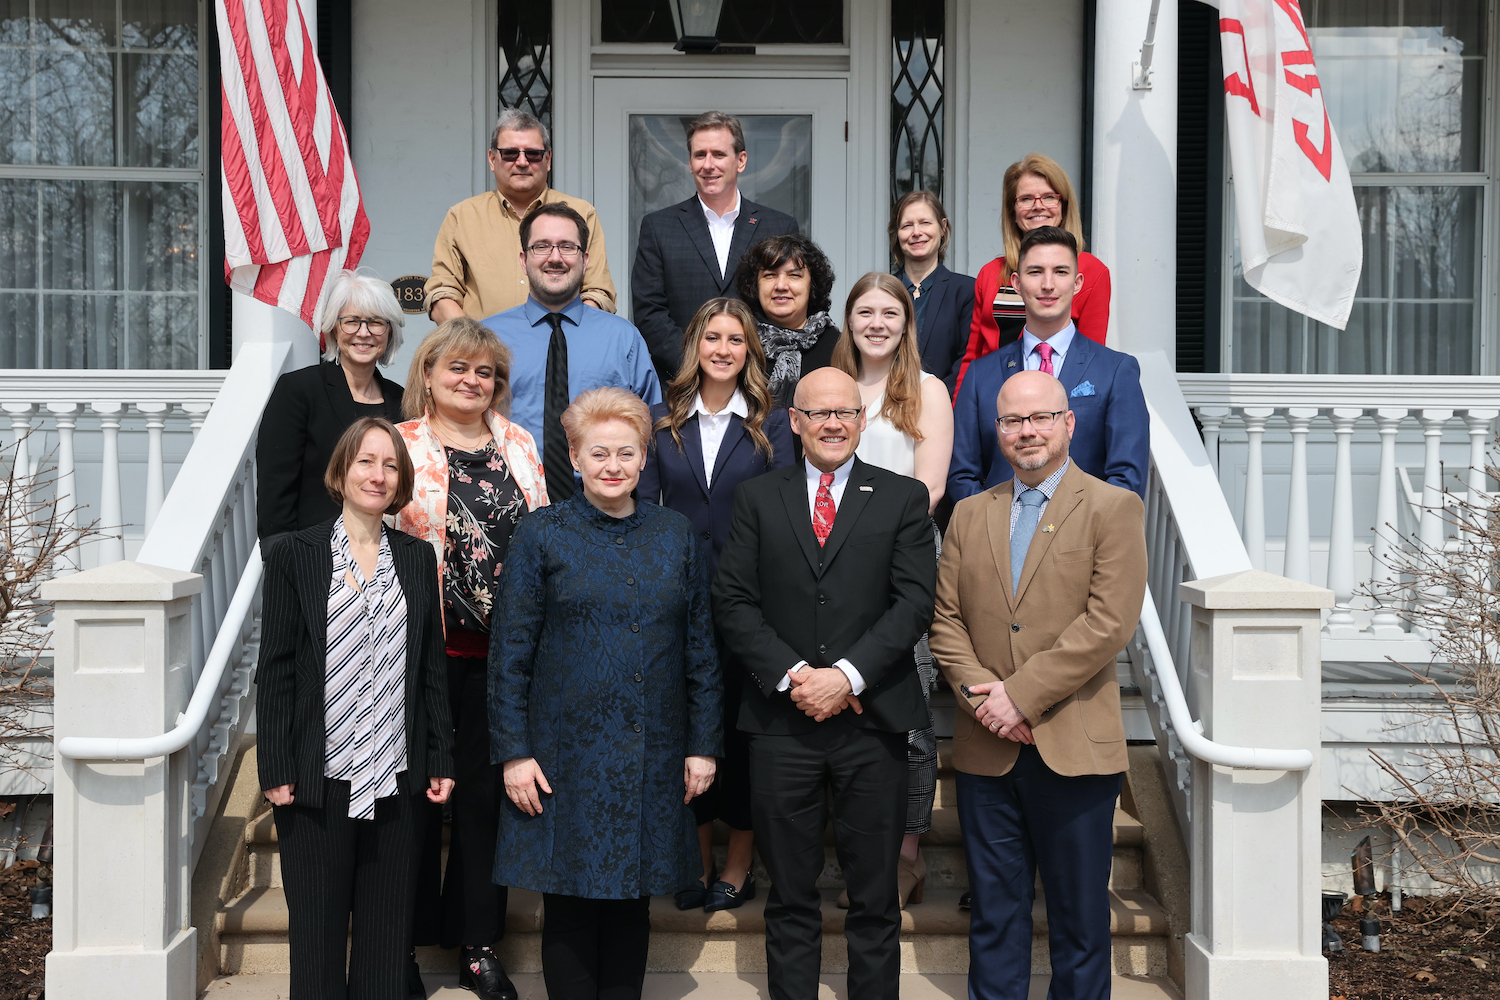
{"points": [[605, 706]]}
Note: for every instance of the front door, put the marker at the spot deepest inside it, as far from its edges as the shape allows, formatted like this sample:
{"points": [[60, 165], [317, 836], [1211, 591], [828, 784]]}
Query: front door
{"points": [[794, 133]]}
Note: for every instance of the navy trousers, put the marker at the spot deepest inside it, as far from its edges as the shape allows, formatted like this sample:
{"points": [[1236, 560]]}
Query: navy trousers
{"points": [[1032, 820]]}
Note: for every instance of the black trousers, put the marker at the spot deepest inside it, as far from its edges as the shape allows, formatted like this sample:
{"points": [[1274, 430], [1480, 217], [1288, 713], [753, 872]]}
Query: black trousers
{"points": [[469, 908], [791, 777], [1032, 819], [594, 949], [728, 798], [334, 867]]}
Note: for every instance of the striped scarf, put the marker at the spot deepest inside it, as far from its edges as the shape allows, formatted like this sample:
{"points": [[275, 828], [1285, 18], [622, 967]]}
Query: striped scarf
{"points": [[363, 688]]}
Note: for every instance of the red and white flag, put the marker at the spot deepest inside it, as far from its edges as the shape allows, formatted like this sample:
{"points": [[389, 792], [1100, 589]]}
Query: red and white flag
{"points": [[1299, 230], [293, 217]]}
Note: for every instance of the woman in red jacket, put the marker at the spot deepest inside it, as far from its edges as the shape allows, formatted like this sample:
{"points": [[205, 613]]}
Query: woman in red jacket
{"points": [[1038, 193]]}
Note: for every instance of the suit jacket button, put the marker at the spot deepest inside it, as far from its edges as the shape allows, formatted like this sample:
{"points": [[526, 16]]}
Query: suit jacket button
{"points": [[637, 727], [635, 626], [707, 535], [638, 677], [705, 501], [822, 649], [1014, 627], [630, 581], [619, 539]]}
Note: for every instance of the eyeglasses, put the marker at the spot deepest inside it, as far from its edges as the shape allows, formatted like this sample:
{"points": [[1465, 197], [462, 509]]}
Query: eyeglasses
{"points": [[818, 416], [351, 325], [1042, 421], [1047, 200], [510, 154], [541, 251]]}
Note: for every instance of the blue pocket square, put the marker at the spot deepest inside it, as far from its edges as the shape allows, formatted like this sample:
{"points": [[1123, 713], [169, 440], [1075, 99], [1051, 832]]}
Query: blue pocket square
{"points": [[1082, 389]]}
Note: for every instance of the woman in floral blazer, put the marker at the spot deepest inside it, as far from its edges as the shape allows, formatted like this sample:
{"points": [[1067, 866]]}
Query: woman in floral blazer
{"points": [[477, 475]]}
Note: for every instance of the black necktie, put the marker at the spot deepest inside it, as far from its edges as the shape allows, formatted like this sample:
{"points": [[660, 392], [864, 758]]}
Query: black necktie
{"points": [[555, 462]]}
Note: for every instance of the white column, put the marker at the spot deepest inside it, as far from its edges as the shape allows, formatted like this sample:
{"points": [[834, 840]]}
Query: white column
{"points": [[156, 474], [1297, 560], [1430, 528], [256, 322], [1256, 836], [123, 864], [20, 428], [111, 515], [1212, 418], [66, 416], [1135, 172], [1341, 536], [1386, 624], [1255, 484]]}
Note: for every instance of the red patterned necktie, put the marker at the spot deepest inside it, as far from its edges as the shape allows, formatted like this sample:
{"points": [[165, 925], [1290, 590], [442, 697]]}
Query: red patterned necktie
{"points": [[1045, 350], [823, 509]]}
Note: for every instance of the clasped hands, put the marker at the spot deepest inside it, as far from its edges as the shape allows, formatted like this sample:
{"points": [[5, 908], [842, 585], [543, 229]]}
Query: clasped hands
{"points": [[999, 714], [822, 692]]}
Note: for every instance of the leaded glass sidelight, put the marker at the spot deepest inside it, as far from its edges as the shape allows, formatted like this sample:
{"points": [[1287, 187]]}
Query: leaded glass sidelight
{"points": [[526, 57], [917, 51]]}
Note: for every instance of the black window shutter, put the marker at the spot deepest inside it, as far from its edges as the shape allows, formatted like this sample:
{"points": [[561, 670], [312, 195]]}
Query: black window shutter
{"points": [[336, 54], [1200, 185]]}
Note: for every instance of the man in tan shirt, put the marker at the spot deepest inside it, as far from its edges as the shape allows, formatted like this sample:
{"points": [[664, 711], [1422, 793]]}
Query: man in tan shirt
{"points": [[476, 262], [1039, 588]]}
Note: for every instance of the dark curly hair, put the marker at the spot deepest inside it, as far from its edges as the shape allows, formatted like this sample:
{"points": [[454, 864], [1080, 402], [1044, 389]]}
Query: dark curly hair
{"points": [[774, 251]]}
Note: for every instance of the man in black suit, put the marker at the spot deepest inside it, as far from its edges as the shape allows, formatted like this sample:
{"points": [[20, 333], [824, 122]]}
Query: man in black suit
{"points": [[825, 583], [687, 254]]}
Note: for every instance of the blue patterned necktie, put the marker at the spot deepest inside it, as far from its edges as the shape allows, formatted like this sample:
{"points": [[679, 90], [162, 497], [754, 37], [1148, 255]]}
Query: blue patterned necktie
{"points": [[1020, 535]]}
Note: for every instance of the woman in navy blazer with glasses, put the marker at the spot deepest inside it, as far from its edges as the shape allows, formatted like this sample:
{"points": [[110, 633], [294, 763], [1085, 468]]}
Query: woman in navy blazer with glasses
{"points": [[717, 429]]}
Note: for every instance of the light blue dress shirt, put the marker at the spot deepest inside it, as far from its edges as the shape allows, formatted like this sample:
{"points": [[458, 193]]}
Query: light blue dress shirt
{"points": [[603, 350], [1060, 341]]}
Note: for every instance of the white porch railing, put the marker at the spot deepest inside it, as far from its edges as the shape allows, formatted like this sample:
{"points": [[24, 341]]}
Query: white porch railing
{"points": [[116, 437], [1326, 473]]}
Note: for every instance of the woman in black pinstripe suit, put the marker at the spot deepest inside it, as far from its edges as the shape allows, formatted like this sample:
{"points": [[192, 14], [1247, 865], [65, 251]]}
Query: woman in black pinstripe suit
{"points": [[353, 722]]}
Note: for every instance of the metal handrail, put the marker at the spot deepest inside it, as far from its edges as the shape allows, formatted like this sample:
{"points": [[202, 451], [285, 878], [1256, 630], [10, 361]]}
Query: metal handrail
{"points": [[205, 694], [1189, 732]]}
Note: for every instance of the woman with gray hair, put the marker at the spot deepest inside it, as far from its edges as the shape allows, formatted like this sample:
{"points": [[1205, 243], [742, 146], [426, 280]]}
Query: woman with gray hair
{"points": [[310, 408]]}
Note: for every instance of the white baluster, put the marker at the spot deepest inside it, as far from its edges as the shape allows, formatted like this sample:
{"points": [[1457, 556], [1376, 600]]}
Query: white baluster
{"points": [[1297, 563], [66, 511], [1386, 624], [111, 516], [1430, 528], [156, 475], [1341, 538], [1255, 484], [20, 428], [196, 413], [1212, 418], [1478, 422]]}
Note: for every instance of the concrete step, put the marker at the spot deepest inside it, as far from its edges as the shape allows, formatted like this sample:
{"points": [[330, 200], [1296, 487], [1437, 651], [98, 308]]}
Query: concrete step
{"points": [[700, 986], [934, 936]]}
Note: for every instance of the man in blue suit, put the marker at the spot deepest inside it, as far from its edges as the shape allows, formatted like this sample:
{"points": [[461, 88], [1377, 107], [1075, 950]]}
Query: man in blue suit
{"points": [[1112, 432]]}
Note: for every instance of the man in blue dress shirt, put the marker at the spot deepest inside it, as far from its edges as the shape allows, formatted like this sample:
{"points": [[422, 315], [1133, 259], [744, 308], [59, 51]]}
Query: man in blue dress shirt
{"points": [[1112, 430], [560, 347]]}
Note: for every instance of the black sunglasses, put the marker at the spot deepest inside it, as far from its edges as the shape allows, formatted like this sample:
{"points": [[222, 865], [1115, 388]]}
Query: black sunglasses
{"points": [[510, 154]]}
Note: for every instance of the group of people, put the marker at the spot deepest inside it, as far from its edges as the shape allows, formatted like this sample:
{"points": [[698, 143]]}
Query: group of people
{"points": [[704, 567]]}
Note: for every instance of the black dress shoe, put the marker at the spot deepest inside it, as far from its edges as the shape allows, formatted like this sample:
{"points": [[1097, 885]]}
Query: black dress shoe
{"points": [[693, 897], [724, 896], [415, 988], [965, 901], [483, 974]]}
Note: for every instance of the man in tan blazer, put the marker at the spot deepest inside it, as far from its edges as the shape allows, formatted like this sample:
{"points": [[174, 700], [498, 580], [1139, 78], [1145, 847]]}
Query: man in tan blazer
{"points": [[1039, 588]]}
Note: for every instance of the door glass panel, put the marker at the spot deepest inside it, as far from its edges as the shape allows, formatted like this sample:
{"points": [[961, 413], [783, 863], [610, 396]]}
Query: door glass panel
{"points": [[778, 175]]}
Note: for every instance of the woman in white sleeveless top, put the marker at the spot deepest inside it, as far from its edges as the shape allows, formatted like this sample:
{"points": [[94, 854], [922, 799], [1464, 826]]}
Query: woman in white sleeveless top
{"points": [[908, 430]]}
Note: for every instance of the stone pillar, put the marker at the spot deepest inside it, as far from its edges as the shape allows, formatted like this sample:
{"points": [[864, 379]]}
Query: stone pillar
{"points": [[1255, 837], [123, 832]]}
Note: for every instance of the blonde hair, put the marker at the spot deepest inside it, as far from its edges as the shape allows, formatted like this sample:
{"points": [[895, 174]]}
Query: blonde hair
{"points": [[460, 337], [902, 404], [596, 406], [685, 385], [907, 201], [1048, 170]]}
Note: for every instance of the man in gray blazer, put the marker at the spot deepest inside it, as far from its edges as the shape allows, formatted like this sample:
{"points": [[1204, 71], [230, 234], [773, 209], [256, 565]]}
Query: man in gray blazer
{"points": [[687, 253]]}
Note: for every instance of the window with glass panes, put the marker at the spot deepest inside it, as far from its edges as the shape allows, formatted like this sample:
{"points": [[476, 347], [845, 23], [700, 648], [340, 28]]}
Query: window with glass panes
{"points": [[101, 184], [1405, 82]]}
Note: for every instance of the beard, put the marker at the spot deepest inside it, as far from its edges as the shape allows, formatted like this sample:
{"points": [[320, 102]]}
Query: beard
{"points": [[1037, 460]]}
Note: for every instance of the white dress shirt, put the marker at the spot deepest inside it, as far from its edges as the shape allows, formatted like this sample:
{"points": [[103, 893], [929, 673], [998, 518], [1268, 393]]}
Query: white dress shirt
{"points": [[840, 480], [713, 426], [1061, 341], [721, 229]]}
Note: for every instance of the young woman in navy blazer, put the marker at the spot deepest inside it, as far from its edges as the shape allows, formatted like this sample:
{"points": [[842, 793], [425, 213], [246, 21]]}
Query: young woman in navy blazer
{"points": [[717, 429]]}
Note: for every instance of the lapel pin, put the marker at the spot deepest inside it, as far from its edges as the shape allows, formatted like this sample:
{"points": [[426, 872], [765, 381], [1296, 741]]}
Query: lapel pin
{"points": [[1046, 529], [1010, 364], [867, 489]]}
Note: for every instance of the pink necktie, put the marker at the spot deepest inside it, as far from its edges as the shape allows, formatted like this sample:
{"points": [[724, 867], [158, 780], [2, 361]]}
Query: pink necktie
{"points": [[823, 509], [1045, 350]]}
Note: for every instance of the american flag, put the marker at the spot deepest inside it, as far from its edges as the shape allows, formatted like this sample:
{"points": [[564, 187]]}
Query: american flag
{"points": [[293, 217]]}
